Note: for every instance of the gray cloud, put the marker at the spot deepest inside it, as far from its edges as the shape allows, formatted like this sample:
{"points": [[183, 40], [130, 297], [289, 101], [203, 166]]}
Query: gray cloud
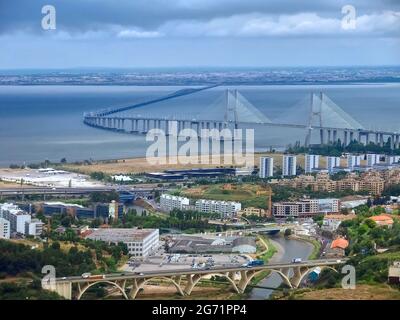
{"points": [[137, 16]]}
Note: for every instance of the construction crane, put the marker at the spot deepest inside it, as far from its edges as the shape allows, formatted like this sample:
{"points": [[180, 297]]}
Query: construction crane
{"points": [[267, 191]]}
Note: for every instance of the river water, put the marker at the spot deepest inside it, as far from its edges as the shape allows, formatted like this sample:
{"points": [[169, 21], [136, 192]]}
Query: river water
{"points": [[45, 122], [287, 250]]}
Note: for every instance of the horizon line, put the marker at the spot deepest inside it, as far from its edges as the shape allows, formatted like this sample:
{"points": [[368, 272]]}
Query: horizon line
{"points": [[201, 67]]}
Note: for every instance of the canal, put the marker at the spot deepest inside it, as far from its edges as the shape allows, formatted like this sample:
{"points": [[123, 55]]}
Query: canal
{"points": [[287, 250]]}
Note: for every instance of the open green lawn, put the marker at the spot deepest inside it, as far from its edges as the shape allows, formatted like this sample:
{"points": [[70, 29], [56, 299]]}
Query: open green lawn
{"points": [[244, 193]]}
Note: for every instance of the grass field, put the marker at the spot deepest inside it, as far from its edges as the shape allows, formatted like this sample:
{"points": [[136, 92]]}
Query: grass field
{"points": [[361, 292], [244, 193]]}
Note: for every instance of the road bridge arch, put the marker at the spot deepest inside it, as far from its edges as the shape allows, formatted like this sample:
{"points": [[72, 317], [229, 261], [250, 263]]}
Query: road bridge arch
{"points": [[121, 288]]}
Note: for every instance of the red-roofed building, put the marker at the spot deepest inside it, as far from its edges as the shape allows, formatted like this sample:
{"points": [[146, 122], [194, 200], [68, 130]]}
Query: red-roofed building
{"points": [[383, 220], [337, 248], [340, 243]]}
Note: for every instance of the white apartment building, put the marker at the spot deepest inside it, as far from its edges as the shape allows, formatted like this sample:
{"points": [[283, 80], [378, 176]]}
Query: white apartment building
{"points": [[311, 162], [34, 227], [266, 167], [353, 161], [140, 242], [169, 202], [289, 164], [331, 163], [305, 208], [16, 216], [4, 229], [329, 205], [392, 159], [298, 209], [224, 208], [372, 159]]}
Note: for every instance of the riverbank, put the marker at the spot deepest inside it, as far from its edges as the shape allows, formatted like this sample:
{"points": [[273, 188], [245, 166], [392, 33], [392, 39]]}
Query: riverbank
{"points": [[316, 244], [286, 250]]}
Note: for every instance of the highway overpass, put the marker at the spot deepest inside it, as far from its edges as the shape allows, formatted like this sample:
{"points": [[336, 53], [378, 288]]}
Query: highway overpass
{"points": [[184, 280]]}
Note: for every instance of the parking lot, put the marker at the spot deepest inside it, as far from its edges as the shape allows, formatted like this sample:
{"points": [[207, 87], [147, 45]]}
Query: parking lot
{"points": [[185, 261]]}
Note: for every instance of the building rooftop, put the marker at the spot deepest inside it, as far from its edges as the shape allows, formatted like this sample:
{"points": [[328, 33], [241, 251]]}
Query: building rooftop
{"points": [[120, 235], [340, 217], [244, 241], [382, 219], [339, 243]]}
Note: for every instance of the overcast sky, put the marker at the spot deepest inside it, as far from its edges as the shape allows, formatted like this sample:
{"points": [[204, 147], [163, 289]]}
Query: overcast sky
{"points": [[169, 33]]}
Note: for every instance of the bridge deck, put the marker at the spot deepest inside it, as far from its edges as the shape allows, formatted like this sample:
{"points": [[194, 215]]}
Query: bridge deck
{"points": [[309, 263]]}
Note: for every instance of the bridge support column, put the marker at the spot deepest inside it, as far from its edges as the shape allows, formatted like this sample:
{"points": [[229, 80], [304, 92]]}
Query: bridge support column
{"points": [[191, 281], [334, 136], [359, 136], [144, 129], [345, 137], [381, 139], [299, 273], [396, 141], [198, 129], [64, 289], [167, 127], [351, 136], [245, 278], [136, 286], [321, 136], [367, 138]]}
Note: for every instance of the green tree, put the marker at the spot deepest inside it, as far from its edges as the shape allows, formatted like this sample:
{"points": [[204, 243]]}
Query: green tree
{"points": [[288, 232]]}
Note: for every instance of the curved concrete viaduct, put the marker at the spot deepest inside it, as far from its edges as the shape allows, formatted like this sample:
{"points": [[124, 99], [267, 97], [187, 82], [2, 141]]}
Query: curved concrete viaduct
{"points": [[185, 280]]}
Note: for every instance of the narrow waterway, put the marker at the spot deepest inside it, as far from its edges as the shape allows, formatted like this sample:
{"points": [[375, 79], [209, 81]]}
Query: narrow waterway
{"points": [[287, 250]]}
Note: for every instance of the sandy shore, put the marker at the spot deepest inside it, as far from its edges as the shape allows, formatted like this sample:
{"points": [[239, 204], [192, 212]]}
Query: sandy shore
{"points": [[141, 165]]}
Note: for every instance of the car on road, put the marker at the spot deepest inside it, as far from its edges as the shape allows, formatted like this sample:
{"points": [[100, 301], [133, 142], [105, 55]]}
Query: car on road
{"points": [[254, 263], [86, 275], [297, 260]]}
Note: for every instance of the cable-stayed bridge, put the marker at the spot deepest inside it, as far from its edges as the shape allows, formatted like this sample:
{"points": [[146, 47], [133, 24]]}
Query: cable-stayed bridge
{"points": [[316, 113]]}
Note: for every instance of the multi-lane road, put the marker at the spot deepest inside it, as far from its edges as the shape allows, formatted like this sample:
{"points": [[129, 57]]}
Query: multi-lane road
{"points": [[73, 190]]}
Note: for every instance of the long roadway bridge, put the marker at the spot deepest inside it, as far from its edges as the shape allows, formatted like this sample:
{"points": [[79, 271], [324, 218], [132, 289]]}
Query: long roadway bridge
{"points": [[129, 284], [318, 113]]}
